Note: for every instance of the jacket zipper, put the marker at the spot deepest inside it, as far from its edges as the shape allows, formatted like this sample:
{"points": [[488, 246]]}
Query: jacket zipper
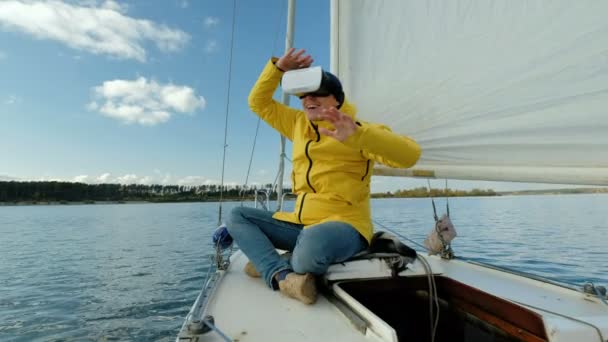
{"points": [[301, 206], [309, 158], [366, 170], [309, 168]]}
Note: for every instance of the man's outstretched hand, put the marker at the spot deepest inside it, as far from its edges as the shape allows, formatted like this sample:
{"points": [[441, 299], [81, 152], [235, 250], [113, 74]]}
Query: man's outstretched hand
{"points": [[292, 61], [344, 125]]}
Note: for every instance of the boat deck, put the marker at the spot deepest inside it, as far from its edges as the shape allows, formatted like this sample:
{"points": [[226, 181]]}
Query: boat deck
{"points": [[244, 309], [277, 318]]}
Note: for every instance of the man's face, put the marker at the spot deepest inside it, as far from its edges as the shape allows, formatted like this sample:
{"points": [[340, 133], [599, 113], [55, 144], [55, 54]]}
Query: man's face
{"points": [[313, 105]]}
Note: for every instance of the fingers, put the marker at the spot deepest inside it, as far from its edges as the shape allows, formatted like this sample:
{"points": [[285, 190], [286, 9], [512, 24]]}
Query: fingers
{"points": [[298, 54], [331, 114], [327, 132], [304, 62], [328, 118], [296, 60]]}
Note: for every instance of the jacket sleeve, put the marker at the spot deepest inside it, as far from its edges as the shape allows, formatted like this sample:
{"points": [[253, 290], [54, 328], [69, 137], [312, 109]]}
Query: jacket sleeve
{"points": [[379, 143], [280, 117]]}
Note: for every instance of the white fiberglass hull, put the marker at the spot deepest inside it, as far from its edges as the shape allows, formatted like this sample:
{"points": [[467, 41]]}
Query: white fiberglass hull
{"points": [[244, 309]]}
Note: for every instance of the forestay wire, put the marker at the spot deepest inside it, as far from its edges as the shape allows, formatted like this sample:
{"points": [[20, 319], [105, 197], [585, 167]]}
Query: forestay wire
{"points": [[257, 128], [219, 220]]}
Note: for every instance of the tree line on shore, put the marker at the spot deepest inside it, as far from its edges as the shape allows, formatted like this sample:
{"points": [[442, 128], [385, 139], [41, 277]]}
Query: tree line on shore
{"points": [[425, 192], [53, 191]]}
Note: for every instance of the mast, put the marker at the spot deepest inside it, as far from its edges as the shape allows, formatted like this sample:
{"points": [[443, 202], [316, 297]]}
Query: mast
{"points": [[333, 38], [291, 6]]}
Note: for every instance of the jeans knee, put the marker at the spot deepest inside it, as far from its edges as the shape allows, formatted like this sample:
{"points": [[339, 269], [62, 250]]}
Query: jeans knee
{"points": [[234, 219], [236, 213], [310, 258]]}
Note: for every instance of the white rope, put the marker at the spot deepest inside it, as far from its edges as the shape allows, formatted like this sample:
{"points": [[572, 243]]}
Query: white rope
{"points": [[433, 297], [599, 295], [218, 331]]}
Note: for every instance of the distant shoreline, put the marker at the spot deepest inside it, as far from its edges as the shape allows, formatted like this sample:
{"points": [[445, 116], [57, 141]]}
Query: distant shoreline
{"points": [[28, 203], [498, 194], [574, 191], [67, 203], [73, 193]]}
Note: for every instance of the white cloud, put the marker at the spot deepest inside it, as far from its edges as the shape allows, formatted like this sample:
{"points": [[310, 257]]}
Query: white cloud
{"points": [[98, 29], [127, 179], [211, 46], [115, 6], [92, 106], [164, 179], [211, 22], [104, 178], [145, 180], [81, 179], [7, 178], [157, 177], [144, 102], [2, 55], [108, 179], [196, 180], [12, 99]]}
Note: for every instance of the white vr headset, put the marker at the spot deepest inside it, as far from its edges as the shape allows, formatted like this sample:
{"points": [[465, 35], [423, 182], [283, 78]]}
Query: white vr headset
{"points": [[302, 81]]}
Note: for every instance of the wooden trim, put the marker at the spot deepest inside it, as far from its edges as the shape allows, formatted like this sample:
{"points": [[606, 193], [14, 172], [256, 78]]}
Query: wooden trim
{"points": [[512, 314], [503, 325]]}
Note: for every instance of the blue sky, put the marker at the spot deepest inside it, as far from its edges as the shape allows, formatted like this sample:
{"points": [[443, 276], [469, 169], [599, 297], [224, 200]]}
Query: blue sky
{"points": [[136, 92]]}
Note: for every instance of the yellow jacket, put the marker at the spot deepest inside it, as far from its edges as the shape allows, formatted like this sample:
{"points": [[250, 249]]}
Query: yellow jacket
{"points": [[331, 178]]}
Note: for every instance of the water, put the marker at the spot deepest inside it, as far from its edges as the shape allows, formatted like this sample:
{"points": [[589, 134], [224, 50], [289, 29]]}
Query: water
{"points": [[130, 272]]}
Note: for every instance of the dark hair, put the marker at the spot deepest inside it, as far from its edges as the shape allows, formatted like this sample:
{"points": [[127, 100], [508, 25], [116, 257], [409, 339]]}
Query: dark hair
{"points": [[331, 84]]}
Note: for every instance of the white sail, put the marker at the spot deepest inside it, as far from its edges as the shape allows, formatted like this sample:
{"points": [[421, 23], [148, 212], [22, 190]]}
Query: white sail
{"points": [[491, 90]]}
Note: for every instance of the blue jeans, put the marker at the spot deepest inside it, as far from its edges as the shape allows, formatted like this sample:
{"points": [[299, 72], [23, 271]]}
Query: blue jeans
{"points": [[313, 249]]}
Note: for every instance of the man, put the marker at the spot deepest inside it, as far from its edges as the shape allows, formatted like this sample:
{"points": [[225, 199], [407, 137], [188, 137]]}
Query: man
{"points": [[333, 157]]}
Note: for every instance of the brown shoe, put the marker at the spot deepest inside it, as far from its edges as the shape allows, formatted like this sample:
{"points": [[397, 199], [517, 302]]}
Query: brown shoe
{"points": [[251, 271], [299, 286]]}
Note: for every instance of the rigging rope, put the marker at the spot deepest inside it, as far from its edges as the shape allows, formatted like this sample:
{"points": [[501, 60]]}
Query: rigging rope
{"points": [[227, 109], [447, 203], [399, 235], [433, 297], [257, 128], [255, 139], [276, 37]]}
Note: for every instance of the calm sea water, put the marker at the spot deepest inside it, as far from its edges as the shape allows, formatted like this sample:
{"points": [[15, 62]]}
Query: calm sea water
{"points": [[130, 272]]}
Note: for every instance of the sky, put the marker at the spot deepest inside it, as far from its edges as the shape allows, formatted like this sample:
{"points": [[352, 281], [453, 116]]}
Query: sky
{"points": [[141, 91]]}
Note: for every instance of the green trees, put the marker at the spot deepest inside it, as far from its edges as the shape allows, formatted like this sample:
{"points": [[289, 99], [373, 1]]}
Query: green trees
{"points": [[14, 192], [424, 192]]}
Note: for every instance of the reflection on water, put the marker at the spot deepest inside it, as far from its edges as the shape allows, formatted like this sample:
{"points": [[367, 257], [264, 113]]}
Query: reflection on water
{"points": [[132, 271]]}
